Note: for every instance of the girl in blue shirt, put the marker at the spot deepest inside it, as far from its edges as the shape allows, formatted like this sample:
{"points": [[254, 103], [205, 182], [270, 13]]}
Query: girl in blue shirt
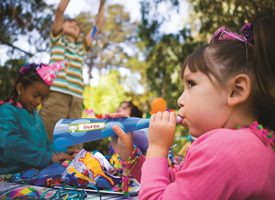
{"points": [[24, 143]]}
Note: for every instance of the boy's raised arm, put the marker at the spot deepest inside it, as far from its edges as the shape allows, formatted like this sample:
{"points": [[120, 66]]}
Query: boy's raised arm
{"points": [[59, 16], [98, 23]]}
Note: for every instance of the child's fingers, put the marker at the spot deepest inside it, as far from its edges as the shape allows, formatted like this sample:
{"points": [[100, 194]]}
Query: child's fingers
{"points": [[76, 150], [118, 115], [166, 116], [159, 115], [114, 115], [123, 115], [120, 133], [153, 118], [106, 115], [173, 117]]}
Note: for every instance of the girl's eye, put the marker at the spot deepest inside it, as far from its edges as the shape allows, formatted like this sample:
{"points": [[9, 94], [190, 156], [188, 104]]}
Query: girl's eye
{"points": [[190, 84]]}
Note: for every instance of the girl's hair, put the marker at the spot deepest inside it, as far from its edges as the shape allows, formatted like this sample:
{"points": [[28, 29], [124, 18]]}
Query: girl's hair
{"points": [[224, 59], [28, 75], [135, 112]]}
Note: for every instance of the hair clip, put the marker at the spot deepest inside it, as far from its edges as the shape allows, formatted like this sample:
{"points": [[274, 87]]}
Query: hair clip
{"points": [[248, 33], [28, 66]]}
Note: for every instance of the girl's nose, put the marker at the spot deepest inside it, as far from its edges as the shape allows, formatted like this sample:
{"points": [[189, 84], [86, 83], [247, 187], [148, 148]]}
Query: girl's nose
{"points": [[39, 100], [181, 100]]}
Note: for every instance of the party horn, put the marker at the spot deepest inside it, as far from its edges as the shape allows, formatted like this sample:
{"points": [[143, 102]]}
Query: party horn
{"points": [[68, 132]]}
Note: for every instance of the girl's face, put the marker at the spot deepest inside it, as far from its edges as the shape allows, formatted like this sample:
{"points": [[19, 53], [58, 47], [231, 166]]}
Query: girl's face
{"points": [[125, 108], [203, 106], [31, 96]]}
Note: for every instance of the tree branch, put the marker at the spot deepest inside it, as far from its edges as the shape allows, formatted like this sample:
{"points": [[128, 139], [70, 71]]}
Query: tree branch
{"points": [[17, 48]]}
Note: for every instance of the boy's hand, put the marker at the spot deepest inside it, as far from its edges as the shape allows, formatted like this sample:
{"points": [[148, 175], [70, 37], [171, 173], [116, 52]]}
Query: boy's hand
{"points": [[98, 23], [161, 134], [122, 143]]}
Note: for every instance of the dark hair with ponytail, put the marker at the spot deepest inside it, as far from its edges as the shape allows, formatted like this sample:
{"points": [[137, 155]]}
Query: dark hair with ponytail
{"points": [[28, 75], [264, 64], [135, 111], [225, 59]]}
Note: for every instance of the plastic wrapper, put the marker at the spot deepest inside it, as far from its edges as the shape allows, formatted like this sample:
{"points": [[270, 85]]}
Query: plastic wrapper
{"points": [[90, 170]]}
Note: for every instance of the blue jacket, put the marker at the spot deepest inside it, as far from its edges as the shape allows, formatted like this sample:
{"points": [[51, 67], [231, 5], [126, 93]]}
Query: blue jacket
{"points": [[24, 143]]}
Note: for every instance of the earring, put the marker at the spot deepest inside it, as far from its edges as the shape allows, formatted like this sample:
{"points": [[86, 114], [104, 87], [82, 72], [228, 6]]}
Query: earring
{"points": [[18, 93]]}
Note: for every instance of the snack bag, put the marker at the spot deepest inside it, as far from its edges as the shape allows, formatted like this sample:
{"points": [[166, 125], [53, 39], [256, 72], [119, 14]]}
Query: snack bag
{"points": [[90, 170]]}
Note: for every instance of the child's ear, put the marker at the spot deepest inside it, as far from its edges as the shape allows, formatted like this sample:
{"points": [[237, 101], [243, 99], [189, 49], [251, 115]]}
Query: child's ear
{"points": [[240, 89], [19, 88]]}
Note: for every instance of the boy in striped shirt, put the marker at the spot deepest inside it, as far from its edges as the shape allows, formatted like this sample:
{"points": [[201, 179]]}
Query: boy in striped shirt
{"points": [[65, 99]]}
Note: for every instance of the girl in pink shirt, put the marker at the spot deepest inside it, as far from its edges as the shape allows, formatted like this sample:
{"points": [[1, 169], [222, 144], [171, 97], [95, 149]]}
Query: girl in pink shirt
{"points": [[229, 89]]}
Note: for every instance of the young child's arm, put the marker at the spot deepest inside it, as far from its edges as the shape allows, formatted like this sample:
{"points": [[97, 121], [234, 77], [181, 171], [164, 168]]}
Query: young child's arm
{"points": [[59, 16], [123, 142], [98, 24], [163, 125]]}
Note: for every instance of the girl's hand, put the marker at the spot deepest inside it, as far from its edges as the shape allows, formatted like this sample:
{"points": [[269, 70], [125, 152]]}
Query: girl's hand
{"points": [[122, 143], [60, 157], [161, 134], [73, 151]]}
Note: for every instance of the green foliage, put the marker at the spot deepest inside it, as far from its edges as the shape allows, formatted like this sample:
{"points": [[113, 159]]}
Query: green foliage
{"points": [[152, 19], [212, 14], [107, 51], [8, 76], [107, 95], [22, 17]]}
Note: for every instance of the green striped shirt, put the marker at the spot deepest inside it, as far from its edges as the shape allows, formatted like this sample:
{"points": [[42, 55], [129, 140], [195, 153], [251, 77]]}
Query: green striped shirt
{"points": [[70, 79]]}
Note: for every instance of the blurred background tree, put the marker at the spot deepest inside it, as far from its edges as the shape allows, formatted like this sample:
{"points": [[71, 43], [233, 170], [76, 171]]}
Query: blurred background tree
{"points": [[107, 95], [31, 19], [109, 49], [209, 15], [8, 76], [28, 19]]}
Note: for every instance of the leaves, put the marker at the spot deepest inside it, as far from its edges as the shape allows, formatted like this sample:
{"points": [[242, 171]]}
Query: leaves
{"points": [[25, 18], [107, 95], [234, 14], [108, 50], [8, 76]]}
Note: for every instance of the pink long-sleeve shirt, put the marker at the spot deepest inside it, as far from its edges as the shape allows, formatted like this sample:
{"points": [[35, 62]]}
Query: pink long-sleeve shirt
{"points": [[220, 164]]}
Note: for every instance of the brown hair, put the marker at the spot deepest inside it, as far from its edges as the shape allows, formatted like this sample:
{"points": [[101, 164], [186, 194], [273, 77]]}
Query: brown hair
{"points": [[27, 78], [225, 59], [135, 111], [78, 24], [72, 20]]}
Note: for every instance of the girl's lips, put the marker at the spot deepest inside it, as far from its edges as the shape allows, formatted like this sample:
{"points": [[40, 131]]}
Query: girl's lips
{"points": [[181, 121], [33, 107], [180, 116]]}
